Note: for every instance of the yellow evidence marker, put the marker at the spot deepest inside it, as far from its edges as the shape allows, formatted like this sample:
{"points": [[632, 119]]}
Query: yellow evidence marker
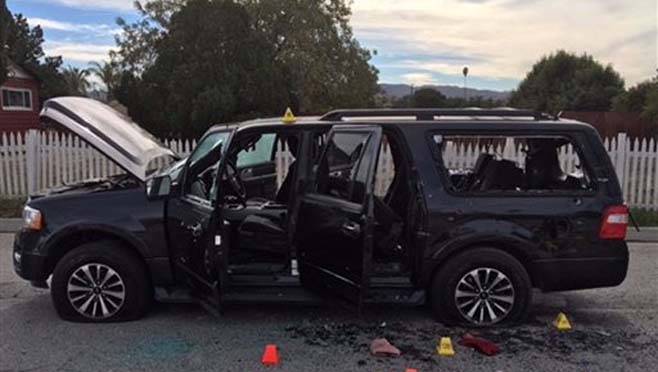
{"points": [[289, 117], [445, 347], [561, 322]]}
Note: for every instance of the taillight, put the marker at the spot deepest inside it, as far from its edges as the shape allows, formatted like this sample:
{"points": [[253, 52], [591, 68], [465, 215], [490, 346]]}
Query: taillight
{"points": [[614, 223]]}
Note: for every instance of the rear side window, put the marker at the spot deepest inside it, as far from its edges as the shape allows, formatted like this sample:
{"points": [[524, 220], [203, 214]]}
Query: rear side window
{"points": [[512, 163]]}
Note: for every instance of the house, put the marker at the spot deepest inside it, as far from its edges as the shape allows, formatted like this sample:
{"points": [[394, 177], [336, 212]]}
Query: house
{"points": [[19, 106]]}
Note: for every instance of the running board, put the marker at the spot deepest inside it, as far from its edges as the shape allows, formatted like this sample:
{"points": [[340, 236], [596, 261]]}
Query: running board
{"points": [[281, 295]]}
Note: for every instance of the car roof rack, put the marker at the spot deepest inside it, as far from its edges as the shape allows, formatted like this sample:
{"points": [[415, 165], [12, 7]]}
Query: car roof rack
{"points": [[431, 114]]}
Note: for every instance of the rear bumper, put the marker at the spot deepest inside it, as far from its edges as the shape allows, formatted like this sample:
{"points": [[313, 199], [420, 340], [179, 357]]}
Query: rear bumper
{"points": [[580, 273]]}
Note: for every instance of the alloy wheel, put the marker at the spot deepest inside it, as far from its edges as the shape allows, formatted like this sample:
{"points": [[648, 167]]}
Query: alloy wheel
{"points": [[96, 291], [484, 296]]}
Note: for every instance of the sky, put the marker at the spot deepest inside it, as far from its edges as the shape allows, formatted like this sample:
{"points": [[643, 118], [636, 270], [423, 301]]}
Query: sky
{"points": [[421, 41]]}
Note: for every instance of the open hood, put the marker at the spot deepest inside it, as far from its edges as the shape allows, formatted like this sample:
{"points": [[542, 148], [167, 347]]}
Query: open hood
{"points": [[109, 131]]}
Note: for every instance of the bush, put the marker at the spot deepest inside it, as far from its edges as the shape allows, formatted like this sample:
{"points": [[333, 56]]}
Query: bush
{"points": [[11, 207], [645, 217]]}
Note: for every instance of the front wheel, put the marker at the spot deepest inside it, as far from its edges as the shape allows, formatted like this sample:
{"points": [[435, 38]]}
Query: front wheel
{"points": [[100, 282], [481, 287]]}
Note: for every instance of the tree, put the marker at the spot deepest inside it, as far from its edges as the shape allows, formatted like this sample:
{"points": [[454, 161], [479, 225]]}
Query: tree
{"points": [[432, 98], [5, 21], [23, 47], [428, 98], [76, 80], [200, 62], [210, 67], [564, 81], [642, 98], [110, 75], [313, 43], [137, 43]]}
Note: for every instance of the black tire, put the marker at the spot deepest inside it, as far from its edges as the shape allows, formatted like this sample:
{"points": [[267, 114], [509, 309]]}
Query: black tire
{"points": [[445, 282], [135, 283]]}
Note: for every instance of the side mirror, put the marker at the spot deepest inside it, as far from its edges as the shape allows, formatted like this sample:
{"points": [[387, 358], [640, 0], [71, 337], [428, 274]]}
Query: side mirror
{"points": [[158, 187]]}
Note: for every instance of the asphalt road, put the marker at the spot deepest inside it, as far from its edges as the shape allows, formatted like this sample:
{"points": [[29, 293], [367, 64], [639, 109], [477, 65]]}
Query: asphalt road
{"points": [[615, 329]]}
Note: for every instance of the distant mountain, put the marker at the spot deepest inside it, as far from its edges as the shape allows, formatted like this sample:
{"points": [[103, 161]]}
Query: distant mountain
{"points": [[451, 91]]}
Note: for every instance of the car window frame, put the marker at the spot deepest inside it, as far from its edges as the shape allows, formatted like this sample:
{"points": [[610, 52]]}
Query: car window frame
{"points": [[344, 201], [208, 204], [580, 146]]}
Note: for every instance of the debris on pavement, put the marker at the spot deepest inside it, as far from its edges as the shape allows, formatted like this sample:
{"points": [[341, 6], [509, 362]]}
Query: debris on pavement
{"points": [[381, 347], [412, 340], [480, 344]]}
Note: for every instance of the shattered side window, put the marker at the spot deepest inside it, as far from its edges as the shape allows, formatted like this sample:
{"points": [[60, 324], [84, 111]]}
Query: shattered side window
{"points": [[512, 163]]}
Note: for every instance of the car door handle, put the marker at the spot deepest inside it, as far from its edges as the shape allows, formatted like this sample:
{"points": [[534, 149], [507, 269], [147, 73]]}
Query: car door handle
{"points": [[351, 229], [195, 229]]}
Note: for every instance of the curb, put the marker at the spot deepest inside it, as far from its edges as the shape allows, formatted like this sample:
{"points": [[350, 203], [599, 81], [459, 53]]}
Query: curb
{"points": [[645, 235]]}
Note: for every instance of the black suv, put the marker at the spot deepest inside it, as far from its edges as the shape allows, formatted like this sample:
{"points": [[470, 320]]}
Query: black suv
{"points": [[465, 209]]}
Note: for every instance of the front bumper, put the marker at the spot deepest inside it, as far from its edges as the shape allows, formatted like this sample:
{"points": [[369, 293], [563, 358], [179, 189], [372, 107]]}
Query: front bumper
{"points": [[28, 263]]}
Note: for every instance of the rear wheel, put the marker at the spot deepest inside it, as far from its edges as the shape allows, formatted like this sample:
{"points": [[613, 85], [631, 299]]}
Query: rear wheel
{"points": [[101, 282], [481, 287]]}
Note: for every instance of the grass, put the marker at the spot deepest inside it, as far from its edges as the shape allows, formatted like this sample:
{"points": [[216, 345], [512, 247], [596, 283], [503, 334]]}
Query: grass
{"points": [[11, 207], [645, 217]]}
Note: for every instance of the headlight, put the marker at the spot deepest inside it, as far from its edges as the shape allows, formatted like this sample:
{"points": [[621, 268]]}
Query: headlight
{"points": [[32, 219]]}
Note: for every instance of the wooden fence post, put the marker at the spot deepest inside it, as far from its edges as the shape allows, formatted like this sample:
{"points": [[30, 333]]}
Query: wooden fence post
{"points": [[620, 161], [31, 160]]}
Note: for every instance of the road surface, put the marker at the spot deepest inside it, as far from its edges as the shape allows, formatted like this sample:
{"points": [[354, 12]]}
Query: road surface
{"points": [[615, 329]]}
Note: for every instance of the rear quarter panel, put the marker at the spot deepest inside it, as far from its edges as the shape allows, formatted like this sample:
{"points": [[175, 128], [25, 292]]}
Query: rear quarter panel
{"points": [[534, 228]]}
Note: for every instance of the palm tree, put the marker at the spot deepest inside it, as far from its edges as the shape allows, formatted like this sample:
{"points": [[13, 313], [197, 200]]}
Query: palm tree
{"points": [[76, 80], [109, 74]]}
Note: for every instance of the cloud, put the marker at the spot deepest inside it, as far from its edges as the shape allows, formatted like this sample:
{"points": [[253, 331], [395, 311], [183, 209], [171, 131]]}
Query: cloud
{"points": [[78, 52], [500, 39], [418, 79], [97, 29], [121, 5]]}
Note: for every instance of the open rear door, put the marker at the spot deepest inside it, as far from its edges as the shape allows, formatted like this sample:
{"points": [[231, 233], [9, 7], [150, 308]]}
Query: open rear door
{"points": [[335, 218]]}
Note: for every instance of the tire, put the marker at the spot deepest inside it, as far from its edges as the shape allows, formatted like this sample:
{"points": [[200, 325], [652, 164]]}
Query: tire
{"points": [[126, 295], [485, 266]]}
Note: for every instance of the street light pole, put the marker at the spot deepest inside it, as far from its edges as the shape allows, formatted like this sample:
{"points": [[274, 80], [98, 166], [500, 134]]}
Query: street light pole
{"points": [[465, 72]]}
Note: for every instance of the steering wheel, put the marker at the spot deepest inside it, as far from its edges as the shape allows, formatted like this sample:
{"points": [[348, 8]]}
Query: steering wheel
{"points": [[235, 181]]}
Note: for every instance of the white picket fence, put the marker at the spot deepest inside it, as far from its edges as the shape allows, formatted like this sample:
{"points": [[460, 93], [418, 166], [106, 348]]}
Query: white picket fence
{"points": [[37, 160]]}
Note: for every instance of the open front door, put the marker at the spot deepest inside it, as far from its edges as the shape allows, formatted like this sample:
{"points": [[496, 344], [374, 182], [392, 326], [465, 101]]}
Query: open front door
{"points": [[335, 218], [196, 230]]}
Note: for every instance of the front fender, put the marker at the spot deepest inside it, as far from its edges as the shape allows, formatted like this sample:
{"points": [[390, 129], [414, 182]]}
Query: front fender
{"points": [[127, 231]]}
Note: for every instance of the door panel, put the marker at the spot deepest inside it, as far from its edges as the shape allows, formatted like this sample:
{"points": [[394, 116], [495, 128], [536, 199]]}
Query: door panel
{"points": [[335, 221], [188, 224], [333, 233]]}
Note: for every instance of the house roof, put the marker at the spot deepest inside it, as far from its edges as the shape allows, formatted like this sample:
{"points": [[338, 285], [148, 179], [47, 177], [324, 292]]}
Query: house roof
{"points": [[17, 72]]}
